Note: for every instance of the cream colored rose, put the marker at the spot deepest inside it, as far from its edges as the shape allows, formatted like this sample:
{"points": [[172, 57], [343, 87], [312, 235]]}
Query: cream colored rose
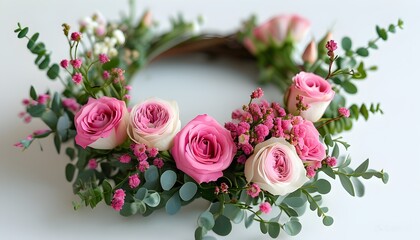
{"points": [[275, 167], [154, 122]]}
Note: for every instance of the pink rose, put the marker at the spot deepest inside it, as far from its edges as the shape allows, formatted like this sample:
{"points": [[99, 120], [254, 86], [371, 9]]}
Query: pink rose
{"points": [[278, 29], [101, 123], [275, 167], [308, 147], [203, 149], [316, 93], [154, 122]]}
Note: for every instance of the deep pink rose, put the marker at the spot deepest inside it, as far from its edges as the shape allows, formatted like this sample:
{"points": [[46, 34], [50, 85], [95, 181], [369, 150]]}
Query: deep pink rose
{"points": [[101, 123], [203, 149], [316, 92], [278, 29], [309, 146], [154, 122]]}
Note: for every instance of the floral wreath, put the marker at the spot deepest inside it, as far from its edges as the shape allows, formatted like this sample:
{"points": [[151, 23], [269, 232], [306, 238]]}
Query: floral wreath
{"points": [[139, 158]]}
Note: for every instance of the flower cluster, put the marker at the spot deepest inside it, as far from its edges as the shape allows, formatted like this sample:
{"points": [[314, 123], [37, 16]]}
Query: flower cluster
{"points": [[138, 158]]}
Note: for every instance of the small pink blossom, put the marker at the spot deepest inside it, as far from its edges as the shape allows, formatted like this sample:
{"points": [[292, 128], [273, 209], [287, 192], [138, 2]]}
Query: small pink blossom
{"points": [[142, 157], [134, 181], [257, 93], [76, 63], [71, 104], [242, 128], [124, 158], [344, 112], [331, 161], [103, 58], [43, 98], [40, 132], [241, 159], [92, 164], [128, 97], [331, 45], [158, 162], [153, 152], [224, 187], [21, 114], [128, 88], [105, 75], [262, 131], [247, 148], [139, 148], [216, 190], [253, 190], [27, 119], [76, 36], [77, 78], [265, 207], [310, 171], [26, 102], [118, 200], [143, 166], [64, 63]]}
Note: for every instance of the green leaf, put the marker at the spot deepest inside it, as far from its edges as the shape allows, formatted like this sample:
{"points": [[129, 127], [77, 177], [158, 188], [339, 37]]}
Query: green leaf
{"points": [[234, 213], [70, 153], [323, 186], [188, 191], [328, 221], [38, 49], [50, 118], [206, 220], [56, 103], [129, 209], [45, 62], [346, 43], [62, 125], [141, 194], [336, 151], [273, 229], [364, 111], [381, 33], [328, 140], [372, 45], [346, 183], [152, 200], [36, 110], [53, 71], [363, 52], [32, 41], [354, 111], [362, 167], [349, 87], [152, 176], [249, 220], [70, 169], [32, 93], [168, 180], [57, 142], [263, 227], [199, 233], [358, 187], [23, 32], [292, 228], [328, 170], [222, 226], [107, 192], [400, 23], [385, 178], [173, 204], [391, 28], [111, 64]]}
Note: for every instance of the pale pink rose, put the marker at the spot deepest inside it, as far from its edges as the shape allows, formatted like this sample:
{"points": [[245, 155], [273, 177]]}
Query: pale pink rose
{"points": [[154, 122], [309, 147], [316, 92], [101, 123], [275, 167], [311, 53], [278, 29], [203, 149]]}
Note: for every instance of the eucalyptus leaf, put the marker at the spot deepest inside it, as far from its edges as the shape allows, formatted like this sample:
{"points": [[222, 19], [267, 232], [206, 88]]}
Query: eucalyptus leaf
{"points": [[234, 213], [188, 191], [358, 187], [70, 169], [347, 184], [50, 119], [292, 228], [222, 226], [141, 194], [346, 43], [362, 167], [249, 220], [263, 227], [206, 220], [173, 204], [327, 221], [152, 200], [168, 180], [107, 192], [273, 229], [129, 209]]}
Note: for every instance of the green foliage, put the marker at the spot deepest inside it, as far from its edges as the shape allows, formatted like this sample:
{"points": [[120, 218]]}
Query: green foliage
{"points": [[222, 226], [188, 191], [42, 57], [168, 180]]}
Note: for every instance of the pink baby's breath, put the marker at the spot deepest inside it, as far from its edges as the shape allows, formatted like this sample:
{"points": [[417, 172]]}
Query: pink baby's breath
{"points": [[253, 190], [344, 112], [77, 78], [265, 207]]}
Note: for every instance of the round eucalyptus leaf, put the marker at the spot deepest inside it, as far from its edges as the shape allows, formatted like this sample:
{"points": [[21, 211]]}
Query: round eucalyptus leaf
{"points": [[188, 191], [168, 180], [323, 186], [222, 226], [273, 229], [292, 228], [128, 209], [206, 220], [234, 213], [152, 200], [173, 204], [328, 221], [151, 174], [141, 194]]}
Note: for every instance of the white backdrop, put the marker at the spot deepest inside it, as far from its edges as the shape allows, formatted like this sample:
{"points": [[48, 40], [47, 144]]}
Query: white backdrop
{"points": [[35, 199]]}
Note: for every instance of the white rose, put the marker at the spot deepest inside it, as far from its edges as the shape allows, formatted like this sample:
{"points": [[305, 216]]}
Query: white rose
{"points": [[119, 35], [275, 167], [154, 122]]}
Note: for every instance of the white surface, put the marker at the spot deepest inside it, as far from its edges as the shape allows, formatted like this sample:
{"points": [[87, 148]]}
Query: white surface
{"points": [[35, 199]]}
